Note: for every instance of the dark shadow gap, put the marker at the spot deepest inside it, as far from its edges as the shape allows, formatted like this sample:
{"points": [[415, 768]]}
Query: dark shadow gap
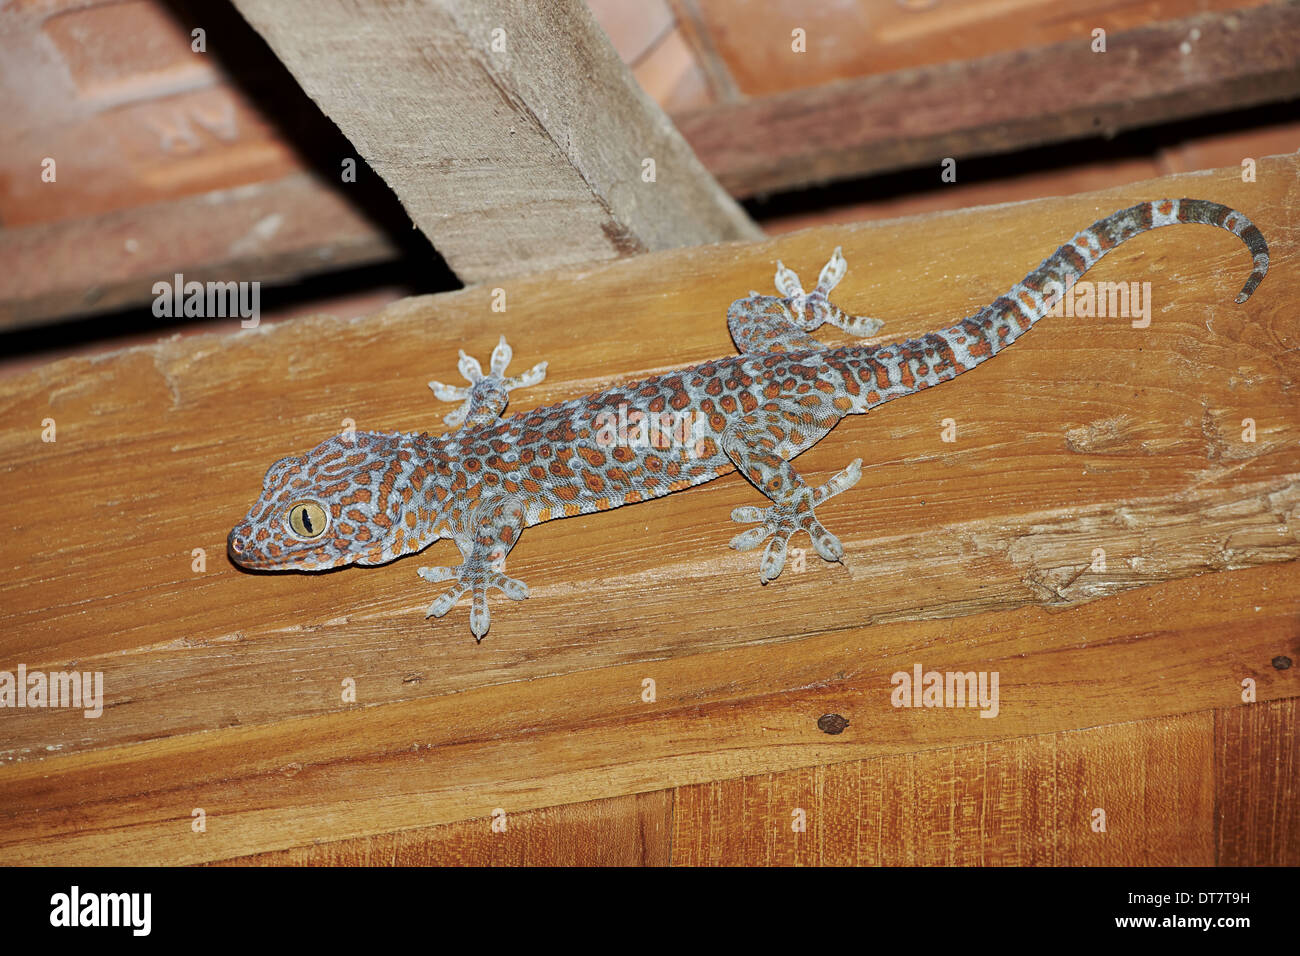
{"points": [[1132, 145]]}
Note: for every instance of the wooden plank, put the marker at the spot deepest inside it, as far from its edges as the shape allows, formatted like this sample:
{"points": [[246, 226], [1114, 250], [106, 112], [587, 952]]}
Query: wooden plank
{"points": [[750, 41], [224, 688], [1004, 101], [514, 154], [264, 232], [1028, 801], [138, 116], [1257, 778], [1097, 172], [168, 159], [623, 831], [577, 737], [1025, 802]]}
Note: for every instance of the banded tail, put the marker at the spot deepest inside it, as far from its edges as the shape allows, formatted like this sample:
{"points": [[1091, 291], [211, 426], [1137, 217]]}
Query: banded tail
{"points": [[942, 355]]}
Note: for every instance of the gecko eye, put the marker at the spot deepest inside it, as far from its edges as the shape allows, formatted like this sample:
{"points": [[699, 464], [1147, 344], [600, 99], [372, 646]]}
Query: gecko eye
{"points": [[307, 519]]}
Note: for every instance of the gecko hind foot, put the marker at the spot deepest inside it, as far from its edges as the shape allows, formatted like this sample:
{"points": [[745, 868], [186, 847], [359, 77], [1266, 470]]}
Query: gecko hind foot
{"points": [[780, 520], [818, 303], [476, 580]]}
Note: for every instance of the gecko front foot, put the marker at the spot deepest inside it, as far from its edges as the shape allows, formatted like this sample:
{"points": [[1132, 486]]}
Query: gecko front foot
{"points": [[474, 578], [783, 518], [487, 395]]}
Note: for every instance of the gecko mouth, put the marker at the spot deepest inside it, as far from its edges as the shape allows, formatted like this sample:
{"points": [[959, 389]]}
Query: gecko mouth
{"points": [[243, 552]]}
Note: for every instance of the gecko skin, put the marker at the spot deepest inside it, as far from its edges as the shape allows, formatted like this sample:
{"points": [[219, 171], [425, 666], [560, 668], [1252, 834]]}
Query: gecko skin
{"points": [[372, 497]]}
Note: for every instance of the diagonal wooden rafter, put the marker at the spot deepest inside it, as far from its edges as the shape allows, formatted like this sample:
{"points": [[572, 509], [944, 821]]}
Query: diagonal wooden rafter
{"points": [[512, 133]]}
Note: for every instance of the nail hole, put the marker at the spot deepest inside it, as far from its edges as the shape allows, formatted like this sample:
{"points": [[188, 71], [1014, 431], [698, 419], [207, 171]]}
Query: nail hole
{"points": [[1281, 662]]}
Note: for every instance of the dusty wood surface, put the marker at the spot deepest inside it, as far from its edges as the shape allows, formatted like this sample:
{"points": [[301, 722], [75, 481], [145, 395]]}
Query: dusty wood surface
{"points": [[745, 46], [223, 689], [1150, 74], [273, 231], [513, 134]]}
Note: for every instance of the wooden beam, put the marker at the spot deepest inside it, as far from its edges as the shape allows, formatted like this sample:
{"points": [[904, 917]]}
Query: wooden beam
{"points": [[623, 831], [268, 232], [1006, 101], [512, 133], [1171, 788], [223, 688]]}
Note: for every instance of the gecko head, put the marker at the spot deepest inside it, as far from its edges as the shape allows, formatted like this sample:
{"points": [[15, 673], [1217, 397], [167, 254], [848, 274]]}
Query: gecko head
{"points": [[353, 499]]}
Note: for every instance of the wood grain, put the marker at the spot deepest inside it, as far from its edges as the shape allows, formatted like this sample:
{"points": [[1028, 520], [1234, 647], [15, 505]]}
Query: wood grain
{"points": [[150, 134], [1257, 777], [224, 688], [511, 159], [1167, 786], [622, 831], [1001, 102], [750, 40], [1025, 802]]}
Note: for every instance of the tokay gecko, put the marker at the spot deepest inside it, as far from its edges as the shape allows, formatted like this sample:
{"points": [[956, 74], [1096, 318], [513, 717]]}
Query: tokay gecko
{"points": [[370, 497]]}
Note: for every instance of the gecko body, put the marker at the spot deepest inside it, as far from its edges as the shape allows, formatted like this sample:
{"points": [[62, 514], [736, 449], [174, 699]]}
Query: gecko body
{"points": [[371, 497]]}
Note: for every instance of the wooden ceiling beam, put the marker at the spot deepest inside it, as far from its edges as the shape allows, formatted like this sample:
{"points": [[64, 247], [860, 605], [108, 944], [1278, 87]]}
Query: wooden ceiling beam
{"points": [[512, 133]]}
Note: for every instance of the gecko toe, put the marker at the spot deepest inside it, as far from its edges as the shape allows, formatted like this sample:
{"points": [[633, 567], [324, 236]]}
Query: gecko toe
{"points": [[513, 588], [446, 601], [827, 545], [769, 569], [748, 540], [479, 617]]}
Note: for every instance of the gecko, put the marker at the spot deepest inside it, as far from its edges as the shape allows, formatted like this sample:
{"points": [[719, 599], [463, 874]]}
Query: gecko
{"points": [[368, 498]]}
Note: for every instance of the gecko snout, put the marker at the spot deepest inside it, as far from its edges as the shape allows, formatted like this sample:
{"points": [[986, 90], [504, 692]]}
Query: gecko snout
{"points": [[237, 542]]}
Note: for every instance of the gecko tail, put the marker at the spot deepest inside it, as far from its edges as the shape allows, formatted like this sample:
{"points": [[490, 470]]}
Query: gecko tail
{"points": [[1213, 214], [902, 368], [1000, 323]]}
